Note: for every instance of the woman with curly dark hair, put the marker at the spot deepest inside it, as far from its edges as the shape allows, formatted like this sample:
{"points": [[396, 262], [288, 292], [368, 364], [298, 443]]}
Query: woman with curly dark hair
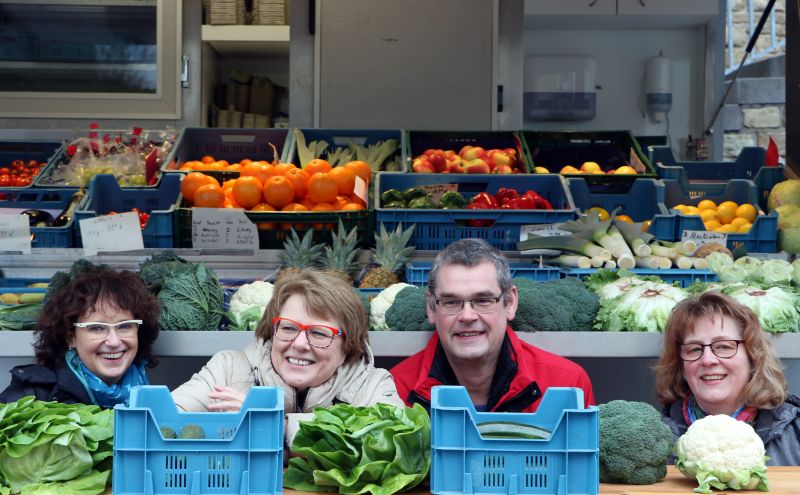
{"points": [[94, 341]]}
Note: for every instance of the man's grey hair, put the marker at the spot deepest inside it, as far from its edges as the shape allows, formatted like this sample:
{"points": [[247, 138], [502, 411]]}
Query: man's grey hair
{"points": [[471, 253]]}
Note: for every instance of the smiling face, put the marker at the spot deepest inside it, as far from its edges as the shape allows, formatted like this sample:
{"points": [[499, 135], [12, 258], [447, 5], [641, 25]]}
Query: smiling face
{"points": [[299, 364], [470, 336], [108, 358], [717, 383]]}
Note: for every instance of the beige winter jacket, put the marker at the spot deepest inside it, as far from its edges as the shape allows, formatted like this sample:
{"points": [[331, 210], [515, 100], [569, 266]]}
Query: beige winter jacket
{"points": [[359, 384]]}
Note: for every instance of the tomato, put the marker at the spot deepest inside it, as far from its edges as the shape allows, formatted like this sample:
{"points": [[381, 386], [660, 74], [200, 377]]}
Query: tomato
{"points": [[17, 163], [5, 180], [22, 181], [5, 170], [33, 163]]}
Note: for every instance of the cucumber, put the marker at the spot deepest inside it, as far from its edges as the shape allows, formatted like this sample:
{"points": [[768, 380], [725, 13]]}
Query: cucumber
{"points": [[511, 429]]}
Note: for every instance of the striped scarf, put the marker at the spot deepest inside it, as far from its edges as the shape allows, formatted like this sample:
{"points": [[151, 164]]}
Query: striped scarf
{"points": [[692, 412]]}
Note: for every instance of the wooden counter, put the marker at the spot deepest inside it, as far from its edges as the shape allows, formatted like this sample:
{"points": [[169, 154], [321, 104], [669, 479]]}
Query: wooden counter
{"points": [[782, 481]]}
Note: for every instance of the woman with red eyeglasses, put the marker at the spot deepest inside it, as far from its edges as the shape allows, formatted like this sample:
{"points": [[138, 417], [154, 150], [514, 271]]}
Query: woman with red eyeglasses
{"points": [[312, 341]]}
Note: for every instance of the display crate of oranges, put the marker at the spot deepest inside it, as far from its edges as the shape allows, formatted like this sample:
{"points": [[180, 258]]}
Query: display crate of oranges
{"points": [[280, 197], [734, 212]]}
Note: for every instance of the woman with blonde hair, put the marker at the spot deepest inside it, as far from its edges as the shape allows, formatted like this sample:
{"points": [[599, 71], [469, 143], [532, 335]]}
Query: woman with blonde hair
{"points": [[312, 341], [718, 360]]}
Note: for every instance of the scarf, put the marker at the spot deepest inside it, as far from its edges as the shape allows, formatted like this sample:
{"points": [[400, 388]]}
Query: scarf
{"points": [[101, 393], [692, 412]]}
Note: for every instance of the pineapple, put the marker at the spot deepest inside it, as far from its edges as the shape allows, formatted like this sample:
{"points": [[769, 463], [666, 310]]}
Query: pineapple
{"points": [[299, 254], [338, 258], [391, 254]]}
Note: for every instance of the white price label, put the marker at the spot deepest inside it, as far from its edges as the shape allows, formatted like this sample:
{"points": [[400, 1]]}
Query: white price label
{"points": [[118, 232], [360, 189], [541, 230], [701, 237], [223, 228], [15, 233], [435, 191]]}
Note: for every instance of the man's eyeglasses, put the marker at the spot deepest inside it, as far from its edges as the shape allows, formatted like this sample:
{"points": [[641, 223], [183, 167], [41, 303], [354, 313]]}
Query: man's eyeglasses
{"points": [[483, 304], [96, 330], [723, 349], [319, 336]]}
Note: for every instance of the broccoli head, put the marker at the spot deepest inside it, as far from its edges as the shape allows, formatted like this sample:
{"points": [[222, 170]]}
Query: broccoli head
{"points": [[634, 443], [554, 306], [78, 268], [407, 312]]}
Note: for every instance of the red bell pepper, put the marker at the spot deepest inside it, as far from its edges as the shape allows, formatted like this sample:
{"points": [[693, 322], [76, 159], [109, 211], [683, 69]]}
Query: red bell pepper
{"points": [[480, 205], [539, 202], [505, 194], [485, 200]]}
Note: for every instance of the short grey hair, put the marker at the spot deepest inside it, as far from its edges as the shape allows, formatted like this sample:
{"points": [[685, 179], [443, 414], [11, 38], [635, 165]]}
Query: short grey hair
{"points": [[471, 253]]}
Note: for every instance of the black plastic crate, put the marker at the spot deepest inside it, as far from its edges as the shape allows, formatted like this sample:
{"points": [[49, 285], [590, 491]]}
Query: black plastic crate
{"points": [[419, 141]]}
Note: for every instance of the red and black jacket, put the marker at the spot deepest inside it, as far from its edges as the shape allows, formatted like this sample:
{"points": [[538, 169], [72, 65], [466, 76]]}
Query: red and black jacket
{"points": [[522, 375]]}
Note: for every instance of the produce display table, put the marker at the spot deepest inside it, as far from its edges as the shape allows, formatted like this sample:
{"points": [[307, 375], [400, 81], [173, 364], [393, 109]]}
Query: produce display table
{"points": [[782, 481]]}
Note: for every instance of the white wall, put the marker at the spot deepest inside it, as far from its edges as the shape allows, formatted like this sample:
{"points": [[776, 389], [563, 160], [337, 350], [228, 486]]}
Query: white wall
{"points": [[620, 56]]}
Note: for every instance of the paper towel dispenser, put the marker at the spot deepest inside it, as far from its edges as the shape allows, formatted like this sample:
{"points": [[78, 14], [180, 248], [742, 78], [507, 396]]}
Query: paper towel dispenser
{"points": [[559, 88]]}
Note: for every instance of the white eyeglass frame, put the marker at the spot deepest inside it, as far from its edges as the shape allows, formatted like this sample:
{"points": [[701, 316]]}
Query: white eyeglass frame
{"points": [[107, 326]]}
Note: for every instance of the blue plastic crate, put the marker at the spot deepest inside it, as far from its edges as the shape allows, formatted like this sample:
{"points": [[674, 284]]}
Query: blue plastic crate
{"points": [[242, 452], [609, 149], [344, 137], [462, 461], [105, 195], [436, 228], [417, 273], [763, 235], [669, 275], [641, 199], [41, 151], [232, 145], [51, 200], [703, 178], [419, 141]]}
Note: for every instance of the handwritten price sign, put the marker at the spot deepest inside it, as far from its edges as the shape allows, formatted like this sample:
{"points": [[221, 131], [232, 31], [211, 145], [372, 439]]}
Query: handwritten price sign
{"points": [[120, 232], [542, 230], [15, 233], [227, 228], [701, 237]]}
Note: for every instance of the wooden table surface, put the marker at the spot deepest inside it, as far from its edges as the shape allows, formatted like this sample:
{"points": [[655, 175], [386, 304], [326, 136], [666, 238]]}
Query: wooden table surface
{"points": [[782, 481]]}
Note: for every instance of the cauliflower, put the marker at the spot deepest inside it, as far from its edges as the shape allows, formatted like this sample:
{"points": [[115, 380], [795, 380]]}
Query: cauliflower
{"points": [[380, 303], [248, 304], [723, 453]]}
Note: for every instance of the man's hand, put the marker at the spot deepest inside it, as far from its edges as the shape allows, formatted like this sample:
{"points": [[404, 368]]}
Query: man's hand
{"points": [[225, 399]]}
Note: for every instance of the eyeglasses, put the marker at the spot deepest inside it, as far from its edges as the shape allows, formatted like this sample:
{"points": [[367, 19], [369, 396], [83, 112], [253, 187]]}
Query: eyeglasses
{"points": [[723, 349], [320, 336], [483, 304], [96, 330]]}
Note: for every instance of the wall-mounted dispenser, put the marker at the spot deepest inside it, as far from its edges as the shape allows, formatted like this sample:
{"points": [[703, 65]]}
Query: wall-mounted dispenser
{"points": [[559, 88], [657, 87]]}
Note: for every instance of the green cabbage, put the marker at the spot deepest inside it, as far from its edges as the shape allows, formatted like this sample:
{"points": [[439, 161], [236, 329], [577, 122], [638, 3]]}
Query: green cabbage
{"points": [[776, 307], [48, 447], [381, 449]]}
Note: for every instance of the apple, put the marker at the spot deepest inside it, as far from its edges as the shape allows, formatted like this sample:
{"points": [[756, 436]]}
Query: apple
{"points": [[541, 170], [473, 152], [502, 169], [455, 167], [449, 154], [437, 158], [422, 165], [511, 151], [463, 150], [500, 157], [476, 166]]}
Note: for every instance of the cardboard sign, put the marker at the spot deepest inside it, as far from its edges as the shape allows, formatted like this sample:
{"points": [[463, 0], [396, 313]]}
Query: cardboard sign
{"points": [[218, 228], [541, 230], [701, 237], [118, 232], [435, 191], [360, 189], [15, 233]]}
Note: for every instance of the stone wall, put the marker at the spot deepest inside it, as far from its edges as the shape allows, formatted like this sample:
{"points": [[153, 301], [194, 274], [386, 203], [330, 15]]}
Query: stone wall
{"points": [[755, 108]]}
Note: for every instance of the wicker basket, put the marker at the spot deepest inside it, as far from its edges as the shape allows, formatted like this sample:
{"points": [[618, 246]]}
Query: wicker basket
{"points": [[269, 12], [222, 12]]}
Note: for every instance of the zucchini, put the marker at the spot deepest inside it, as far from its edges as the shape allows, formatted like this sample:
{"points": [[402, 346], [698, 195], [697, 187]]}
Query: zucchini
{"points": [[511, 429]]}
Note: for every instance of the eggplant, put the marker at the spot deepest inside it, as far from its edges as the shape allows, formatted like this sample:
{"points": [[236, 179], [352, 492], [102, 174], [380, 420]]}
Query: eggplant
{"points": [[38, 218]]}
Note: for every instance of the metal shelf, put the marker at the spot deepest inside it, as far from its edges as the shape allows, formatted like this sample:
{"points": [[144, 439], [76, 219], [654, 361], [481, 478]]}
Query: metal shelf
{"points": [[401, 344]]}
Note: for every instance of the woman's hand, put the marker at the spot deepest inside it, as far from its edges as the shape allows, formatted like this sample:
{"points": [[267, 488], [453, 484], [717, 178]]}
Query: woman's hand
{"points": [[225, 399]]}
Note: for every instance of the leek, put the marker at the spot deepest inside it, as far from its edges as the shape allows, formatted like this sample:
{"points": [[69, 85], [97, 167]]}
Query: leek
{"points": [[573, 261], [598, 262], [626, 262], [575, 244], [595, 230], [610, 265], [615, 234], [683, 262], [666, 252], [636, 239], [700, 263], [307, 152], [646, 262]]}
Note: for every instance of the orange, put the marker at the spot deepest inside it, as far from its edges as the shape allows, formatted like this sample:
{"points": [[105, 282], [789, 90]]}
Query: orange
{"points": [[294, 207], [625, 169], [299, 179], [245, 161], [282, 168], [726, 212], [352, 207], [209, 196], [322, 188], [278, 191], [264, 225], [747, 211], [340, 202], [712, 225], [345, 179], [228, 184], [207, 159], [357, 200], [307, 203], [624, 218], [706, 204], [708, 214], [260, 170], [361, 169], [317, 165], [569, 169], [744, 228], [248, 191], [192, 181]]}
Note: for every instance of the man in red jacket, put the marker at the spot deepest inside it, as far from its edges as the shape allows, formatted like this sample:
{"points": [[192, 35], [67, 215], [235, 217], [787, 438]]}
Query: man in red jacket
{"points": [[471, 300]]}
